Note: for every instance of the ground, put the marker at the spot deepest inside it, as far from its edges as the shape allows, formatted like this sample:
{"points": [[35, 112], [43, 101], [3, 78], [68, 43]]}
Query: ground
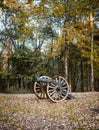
{"points": [[27, 112]]}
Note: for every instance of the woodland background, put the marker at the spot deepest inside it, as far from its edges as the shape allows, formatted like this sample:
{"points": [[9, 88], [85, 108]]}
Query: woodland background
{"points": [[49, 37]]}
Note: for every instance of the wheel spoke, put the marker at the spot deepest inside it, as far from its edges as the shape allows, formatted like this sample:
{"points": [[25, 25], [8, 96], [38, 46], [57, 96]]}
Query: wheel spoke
{"points": [[52, 85], [51, 93], [58, 90], [40, 87]]}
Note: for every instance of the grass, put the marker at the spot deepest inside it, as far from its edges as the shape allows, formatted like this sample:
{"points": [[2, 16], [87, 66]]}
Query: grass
{"points": [[56, 110], [73, 111]]}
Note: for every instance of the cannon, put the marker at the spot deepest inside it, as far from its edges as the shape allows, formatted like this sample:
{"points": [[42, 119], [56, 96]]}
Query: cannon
{"points": [[54, 89]]}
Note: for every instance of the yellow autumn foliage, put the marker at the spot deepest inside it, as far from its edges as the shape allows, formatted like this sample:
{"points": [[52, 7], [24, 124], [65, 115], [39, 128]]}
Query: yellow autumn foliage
{"points": [[59, 10], [5, 56], [55, 48], [13, 4], [0, 9]]}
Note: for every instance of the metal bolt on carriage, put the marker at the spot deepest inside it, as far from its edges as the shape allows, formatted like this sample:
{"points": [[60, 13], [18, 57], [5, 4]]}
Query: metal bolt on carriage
{"points": [[54, 89]]}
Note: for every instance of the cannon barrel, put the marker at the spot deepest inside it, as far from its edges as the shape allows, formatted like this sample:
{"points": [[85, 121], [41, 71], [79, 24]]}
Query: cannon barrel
{"points": [[62, 83]]}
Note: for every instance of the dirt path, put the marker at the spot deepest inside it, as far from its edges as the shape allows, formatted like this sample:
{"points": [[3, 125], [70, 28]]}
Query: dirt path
{"points": [[26, 112]]}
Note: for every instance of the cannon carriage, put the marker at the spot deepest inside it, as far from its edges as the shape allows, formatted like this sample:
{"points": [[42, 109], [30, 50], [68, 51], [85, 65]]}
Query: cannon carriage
{"points": [[54, 89]]}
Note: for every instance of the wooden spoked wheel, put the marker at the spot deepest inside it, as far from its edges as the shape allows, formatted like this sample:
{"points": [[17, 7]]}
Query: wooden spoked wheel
{"points": [[40, 87], [57, 91]]}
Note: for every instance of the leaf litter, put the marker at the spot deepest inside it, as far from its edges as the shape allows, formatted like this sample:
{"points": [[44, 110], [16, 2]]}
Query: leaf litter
{"points": [[26, 112]]}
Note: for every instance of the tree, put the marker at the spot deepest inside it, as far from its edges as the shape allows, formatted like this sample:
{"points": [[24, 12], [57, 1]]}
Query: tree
{"points": [[52, 35]]}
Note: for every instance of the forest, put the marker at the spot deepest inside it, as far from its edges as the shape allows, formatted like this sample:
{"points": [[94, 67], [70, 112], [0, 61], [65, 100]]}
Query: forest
{"points": [[49, 37]]}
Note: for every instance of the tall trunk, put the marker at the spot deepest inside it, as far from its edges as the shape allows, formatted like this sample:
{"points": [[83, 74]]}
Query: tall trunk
{"points": [[87, 77], [92, 67], [8, 86], [92, 45], [66, 55], [66, 66], [82, 86], [21, 83], [66, 40], [70, 80]]}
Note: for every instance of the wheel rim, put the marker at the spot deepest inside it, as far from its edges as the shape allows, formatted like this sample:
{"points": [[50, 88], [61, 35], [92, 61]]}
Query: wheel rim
{"points": [[58, 90], [40, 88]]}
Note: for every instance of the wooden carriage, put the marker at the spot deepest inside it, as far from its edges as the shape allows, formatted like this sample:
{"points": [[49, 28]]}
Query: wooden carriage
{"points": [[54, 89]]}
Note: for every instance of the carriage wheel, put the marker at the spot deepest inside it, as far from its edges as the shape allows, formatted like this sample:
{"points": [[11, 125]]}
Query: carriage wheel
{"points": [[57, 91], [40, 87]]}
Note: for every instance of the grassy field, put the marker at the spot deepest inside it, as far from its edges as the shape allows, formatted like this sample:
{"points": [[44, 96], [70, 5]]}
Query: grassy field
{"points": [[26, 112]]}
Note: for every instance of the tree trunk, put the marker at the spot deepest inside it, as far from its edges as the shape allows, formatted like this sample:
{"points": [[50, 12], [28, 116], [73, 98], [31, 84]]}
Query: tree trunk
{"points": [[66, 55], [82, 86], [92, 45], [92, 67], [66, 66]]}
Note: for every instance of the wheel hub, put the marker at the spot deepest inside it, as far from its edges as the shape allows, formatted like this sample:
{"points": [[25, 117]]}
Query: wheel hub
{"points": [[58, 89]]}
